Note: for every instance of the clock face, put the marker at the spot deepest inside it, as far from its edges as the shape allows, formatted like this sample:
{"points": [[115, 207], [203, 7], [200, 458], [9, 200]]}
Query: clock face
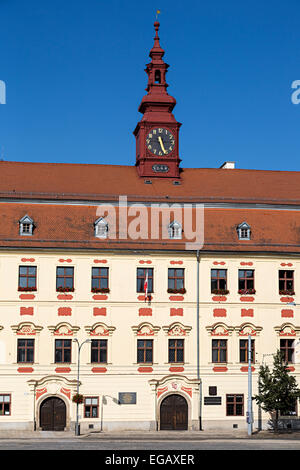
{"points": [[160, 141]]}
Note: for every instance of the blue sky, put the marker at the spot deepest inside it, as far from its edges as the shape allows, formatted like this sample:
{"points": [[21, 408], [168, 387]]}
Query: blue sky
{"points": [[74, 72]]}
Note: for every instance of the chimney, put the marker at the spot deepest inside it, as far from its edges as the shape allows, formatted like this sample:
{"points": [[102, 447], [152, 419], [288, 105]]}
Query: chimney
{"points": [[228, 166]]}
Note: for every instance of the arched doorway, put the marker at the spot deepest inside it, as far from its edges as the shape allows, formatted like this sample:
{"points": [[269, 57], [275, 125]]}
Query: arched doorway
{"points": [[174, 413], [53, 414]]}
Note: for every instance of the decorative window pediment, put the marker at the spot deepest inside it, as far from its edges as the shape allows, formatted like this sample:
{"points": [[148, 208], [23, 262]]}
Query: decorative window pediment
{"points": [[175, 230], [248, 329], [145, 329], [177, 329], [220, 329], [244, 231], [26, 329], [26, 226], [101, 228], [63, 329], [100, 329], [287, 329]]}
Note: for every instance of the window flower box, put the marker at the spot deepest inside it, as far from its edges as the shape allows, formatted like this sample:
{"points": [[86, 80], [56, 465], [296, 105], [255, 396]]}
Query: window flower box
{"points": [[220, 291], [247, 291], [287, 292], [27, 289], [65, 289], [103, 290], [177, 291]]}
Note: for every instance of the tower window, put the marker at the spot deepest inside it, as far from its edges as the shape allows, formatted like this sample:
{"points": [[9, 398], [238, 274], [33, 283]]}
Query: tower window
{"points": [[157, 76]]}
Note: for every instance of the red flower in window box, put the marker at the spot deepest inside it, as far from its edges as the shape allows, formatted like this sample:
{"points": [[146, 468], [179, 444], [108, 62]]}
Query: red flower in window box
{"points": [[177, 291], [65, 289], [102, 290], [220, 291], [287, 292], [77, 398], [26, 289], [247, 291]]}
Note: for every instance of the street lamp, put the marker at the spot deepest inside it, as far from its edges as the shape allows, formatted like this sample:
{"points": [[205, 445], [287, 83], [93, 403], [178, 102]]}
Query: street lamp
{"points": [[77, 430]]}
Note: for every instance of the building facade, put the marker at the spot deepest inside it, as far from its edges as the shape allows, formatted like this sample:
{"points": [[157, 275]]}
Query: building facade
{"points": [[145, 282]]}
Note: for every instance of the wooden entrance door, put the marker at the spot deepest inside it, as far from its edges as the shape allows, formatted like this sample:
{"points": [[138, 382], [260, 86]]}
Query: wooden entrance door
{"points": [[174, 413], [53, 414]]}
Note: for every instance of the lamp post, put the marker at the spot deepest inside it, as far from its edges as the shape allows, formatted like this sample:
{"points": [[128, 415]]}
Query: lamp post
{"points": [[250, 414], [77, 430]]}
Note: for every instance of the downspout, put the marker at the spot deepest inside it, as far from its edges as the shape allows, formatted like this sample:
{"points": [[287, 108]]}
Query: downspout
{"points": [[198, 341]]}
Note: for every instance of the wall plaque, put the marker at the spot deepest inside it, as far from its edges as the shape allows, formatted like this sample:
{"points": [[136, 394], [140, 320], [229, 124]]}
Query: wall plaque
{"points": [[127, 398], [212, 400]]}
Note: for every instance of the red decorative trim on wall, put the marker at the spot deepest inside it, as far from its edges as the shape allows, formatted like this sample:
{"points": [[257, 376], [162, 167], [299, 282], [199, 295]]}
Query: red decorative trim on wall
{"points": [[65, 297], [39, 392], [176, 298], [100, 297], [27, 260], [286, 299], [145, 312], [219, 262], [99, 370], [26, 310], [63, 370], [247, 312], [145, 369], [64, 311], [148, 261], [247, 299], [187, 390], [25, 370], [99, 311], [27, 296], [100, 261], [286, 264], [219, 312], [243, 263], [287, 313], [220, 369], [176, 312], [160, 391], [245, 369], [176, 369], [176, 262], [219, 298], [68, 260], [66, 391], [142, 298]]}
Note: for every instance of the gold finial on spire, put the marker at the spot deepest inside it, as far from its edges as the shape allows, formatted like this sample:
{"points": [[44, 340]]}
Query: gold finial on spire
{"points": [[157, 13]]}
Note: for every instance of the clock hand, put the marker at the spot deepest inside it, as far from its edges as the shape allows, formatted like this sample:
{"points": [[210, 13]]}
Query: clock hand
{"points": [[161, 144]]}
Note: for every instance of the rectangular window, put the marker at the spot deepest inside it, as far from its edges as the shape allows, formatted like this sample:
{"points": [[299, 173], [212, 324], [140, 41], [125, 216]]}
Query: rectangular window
{"points": [[5, 405], [219, 280], [141, 278], [244, 351], [99, 350], [63, 350], [91, 407], [176, 280], [176, 350], [219, 350], [246, 281], [145, 351], [100, 279], [287, 349], [27, 278], [25, 350], [65, 279], [235, 405], [286, 282]]}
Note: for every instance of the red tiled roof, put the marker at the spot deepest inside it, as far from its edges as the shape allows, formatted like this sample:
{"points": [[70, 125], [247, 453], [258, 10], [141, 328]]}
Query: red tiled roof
{"points": [[107, 182]]}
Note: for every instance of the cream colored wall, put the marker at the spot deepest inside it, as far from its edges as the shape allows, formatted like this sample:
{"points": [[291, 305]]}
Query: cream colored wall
{"points": [[123, 314]]}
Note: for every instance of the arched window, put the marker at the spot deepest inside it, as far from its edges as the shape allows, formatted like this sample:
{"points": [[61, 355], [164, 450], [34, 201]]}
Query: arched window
{"points": [[157, 76]]}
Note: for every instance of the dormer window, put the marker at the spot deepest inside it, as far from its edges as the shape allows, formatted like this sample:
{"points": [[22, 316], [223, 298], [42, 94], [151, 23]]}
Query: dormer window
{"points": [[175, 230], [26, 226], [244, 231], [101, 228]]}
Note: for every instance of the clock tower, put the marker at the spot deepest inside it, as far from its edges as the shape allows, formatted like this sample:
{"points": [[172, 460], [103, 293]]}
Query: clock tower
{"points": [[157, 149]]}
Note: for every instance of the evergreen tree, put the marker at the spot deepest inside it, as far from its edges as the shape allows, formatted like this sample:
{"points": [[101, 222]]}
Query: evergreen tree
{"points": [[278, 390]]}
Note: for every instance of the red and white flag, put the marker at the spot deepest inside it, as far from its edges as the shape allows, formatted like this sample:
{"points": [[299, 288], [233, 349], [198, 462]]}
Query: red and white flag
{"points": [[146, 286]]}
